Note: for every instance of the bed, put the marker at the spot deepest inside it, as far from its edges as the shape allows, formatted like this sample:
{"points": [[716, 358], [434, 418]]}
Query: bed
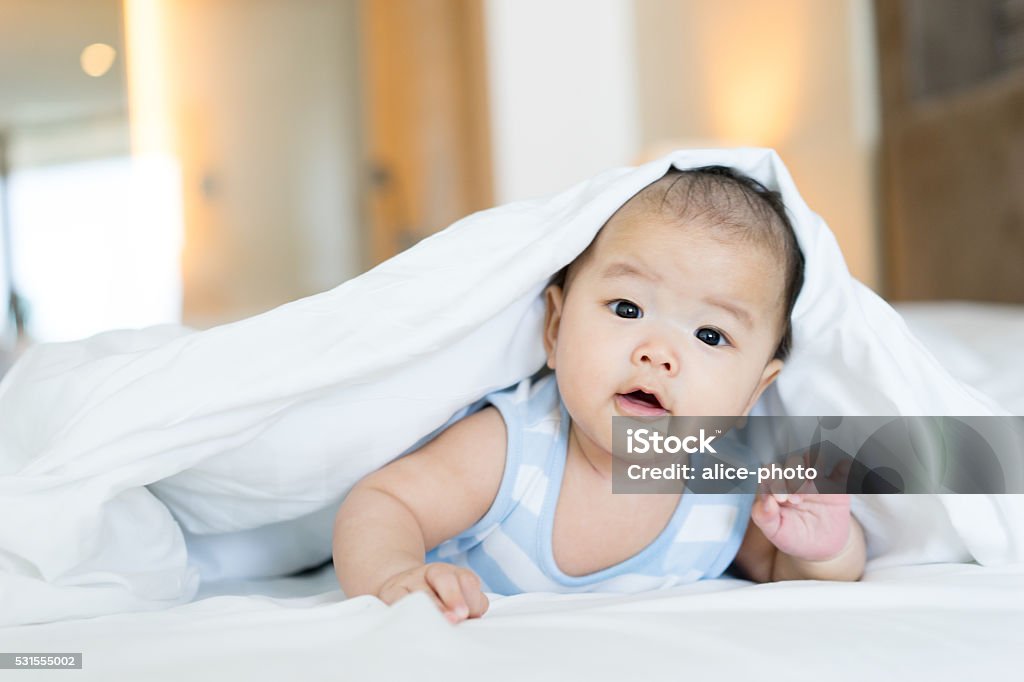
{"points": [[935, 621]]}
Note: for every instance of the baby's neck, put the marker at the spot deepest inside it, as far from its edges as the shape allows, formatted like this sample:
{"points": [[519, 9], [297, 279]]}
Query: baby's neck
{"points": [[590, 453]]}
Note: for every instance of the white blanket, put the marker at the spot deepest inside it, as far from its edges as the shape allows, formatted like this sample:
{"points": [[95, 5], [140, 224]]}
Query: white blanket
{"points": [[111, 446]]}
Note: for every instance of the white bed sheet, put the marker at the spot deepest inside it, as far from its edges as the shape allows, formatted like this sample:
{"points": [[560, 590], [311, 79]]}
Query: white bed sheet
{"points": [[935, 622]]}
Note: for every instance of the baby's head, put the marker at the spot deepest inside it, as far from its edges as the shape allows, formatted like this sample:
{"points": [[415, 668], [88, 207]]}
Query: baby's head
{"points": [[685, 294]]}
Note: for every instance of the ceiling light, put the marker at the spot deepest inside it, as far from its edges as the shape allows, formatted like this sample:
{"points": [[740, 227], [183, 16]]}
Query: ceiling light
{"points": [[97, 59]]}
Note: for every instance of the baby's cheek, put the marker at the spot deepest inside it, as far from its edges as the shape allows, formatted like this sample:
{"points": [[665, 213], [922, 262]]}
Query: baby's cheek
{"points": [[712, 397]]}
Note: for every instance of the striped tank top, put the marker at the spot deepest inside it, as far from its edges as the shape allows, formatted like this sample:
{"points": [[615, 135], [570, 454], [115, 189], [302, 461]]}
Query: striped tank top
{"points": [[510, 547]]}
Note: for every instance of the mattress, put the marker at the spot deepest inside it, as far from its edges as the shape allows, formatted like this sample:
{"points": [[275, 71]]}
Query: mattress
{"points": [[937, 621]]}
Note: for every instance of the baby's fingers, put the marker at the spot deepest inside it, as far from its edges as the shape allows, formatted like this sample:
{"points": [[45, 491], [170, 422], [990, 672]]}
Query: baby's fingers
{"points": [[475, 597], [766, 514], [793, 498], [392, 593], [445, 583]]}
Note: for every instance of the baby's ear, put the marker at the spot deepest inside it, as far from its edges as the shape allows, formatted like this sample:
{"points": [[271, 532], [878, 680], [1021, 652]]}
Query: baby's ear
{"points": [[771, 371], [553, 297]]}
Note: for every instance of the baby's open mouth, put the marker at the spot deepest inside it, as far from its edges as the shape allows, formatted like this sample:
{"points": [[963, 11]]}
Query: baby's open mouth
{"points": [[648, 398], [644, 397]]}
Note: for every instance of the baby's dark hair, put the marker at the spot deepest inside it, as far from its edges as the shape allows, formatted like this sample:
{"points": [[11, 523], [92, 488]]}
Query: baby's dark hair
{"points": [[720, 198]]}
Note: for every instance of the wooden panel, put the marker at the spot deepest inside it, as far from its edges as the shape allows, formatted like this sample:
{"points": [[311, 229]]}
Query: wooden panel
{"points": [[953, 152], [426, 118]]}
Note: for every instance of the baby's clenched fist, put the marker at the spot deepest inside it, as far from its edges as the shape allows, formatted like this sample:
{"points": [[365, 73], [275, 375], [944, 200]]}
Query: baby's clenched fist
{"points": [[455, 590]]}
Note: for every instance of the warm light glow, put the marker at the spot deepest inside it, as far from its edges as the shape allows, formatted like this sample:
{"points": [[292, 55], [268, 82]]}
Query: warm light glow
{"points": [[97, 59], [157, 192], [754, 78], [149, 78]]}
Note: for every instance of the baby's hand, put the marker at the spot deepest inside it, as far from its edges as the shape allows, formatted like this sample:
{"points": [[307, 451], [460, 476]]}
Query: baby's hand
{"points": [[804, 523], [455, 590], [812, 527]]}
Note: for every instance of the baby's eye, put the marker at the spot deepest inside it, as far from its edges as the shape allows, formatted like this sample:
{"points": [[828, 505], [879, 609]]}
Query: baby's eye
{"points": [[626, 309], [710, 336]]}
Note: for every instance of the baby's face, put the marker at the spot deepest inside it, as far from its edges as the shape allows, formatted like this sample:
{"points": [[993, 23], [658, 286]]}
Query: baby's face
{"points": [[649, 309]]}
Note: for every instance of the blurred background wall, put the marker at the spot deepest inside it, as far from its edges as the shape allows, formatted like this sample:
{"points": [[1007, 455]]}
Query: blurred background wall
{"points": [[256, 102], [221, 157], [799, 76]]}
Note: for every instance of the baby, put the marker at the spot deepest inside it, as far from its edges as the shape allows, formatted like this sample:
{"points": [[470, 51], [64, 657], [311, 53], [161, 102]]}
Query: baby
{"points": [[680, 306]]}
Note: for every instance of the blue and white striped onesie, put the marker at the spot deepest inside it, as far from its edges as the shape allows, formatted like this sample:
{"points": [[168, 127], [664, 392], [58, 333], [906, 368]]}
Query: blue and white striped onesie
{"points": [[510, 548]]}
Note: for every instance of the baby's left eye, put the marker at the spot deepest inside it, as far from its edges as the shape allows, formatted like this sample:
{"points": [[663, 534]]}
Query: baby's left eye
{"points": [[627, 309], [710, 336]]}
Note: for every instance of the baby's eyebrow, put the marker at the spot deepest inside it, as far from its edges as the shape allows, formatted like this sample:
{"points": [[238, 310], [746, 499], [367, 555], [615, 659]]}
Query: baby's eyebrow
{"points": [[623, 269], [739, 313]]}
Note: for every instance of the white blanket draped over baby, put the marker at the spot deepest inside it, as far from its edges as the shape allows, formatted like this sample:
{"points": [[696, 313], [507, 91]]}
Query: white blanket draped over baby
{"points": [[242, 439]]}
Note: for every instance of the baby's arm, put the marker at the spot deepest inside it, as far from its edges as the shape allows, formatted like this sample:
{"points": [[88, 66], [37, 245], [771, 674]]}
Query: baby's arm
{"points": [[392, 517]]}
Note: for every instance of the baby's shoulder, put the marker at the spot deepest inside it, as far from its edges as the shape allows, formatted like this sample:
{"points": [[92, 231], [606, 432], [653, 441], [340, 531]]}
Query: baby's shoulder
{"points": [[470, 445], [529, 402], [478, 437]]}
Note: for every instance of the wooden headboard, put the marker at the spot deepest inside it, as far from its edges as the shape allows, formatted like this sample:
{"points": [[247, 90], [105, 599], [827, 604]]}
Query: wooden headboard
{"points": [[952, 163]]}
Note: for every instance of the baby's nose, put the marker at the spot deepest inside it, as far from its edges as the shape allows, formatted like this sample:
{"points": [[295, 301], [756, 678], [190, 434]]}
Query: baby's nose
{"points": [[658, 357]]}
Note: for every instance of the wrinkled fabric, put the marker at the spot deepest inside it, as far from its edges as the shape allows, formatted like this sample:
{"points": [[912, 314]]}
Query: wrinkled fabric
{"points": [[115, 447]]}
